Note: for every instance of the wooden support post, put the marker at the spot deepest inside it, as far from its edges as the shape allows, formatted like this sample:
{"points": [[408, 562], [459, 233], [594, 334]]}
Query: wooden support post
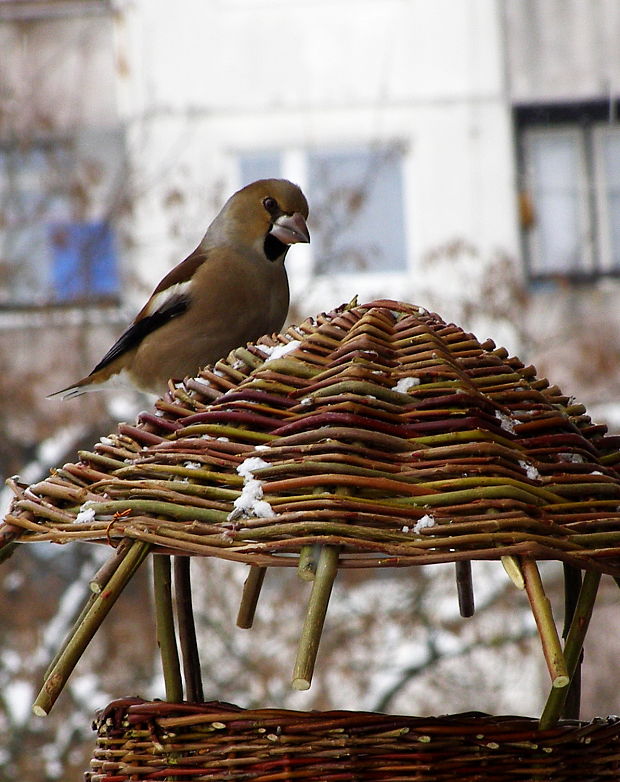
{"points": [[574, 644], [465, 588], [84, 630], [512, 566], [166, 637], [308, 561], [251, 592], [572, 588], [187, 629], [541, 608], [326, 571]]}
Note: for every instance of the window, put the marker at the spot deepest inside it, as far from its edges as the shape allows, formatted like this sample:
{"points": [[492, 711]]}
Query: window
{"points": [[42, 9], [607, 148], [47, 256], [569, 165], [83, 261], [354, 194]]}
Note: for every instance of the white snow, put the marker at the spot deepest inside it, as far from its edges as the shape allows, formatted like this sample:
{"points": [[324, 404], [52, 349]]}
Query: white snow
{"points": [[278, 351], [530, 470], [247, 467], [85, 516], [423, 523], [405, 383], [250, 501], [506, 422], [575, 458]]}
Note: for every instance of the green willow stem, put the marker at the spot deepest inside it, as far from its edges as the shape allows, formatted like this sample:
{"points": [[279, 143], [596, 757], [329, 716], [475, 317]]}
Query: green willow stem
{"points": [[166, 637], [541, 608], [249, 598], [574, 644], [187, 629], [76, 624], [326, 571], [98, 582], [158, 508], [512, 566], [308, 560], [83, 633], [309, 555], [572, 588]]}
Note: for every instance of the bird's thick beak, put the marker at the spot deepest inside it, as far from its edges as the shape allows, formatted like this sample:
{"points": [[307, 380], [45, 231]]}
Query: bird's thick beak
{"points": [[291, 229]]}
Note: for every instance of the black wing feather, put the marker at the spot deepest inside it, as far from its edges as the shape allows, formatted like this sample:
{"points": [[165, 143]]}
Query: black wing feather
{"points": [[138, 330]]}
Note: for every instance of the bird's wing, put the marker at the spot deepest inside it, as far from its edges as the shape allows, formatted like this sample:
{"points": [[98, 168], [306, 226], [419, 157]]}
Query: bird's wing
{"points": [[172, 307], [170, 299]]}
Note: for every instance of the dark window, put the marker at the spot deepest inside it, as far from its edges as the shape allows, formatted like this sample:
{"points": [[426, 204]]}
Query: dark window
{"points": [[569, 172]]}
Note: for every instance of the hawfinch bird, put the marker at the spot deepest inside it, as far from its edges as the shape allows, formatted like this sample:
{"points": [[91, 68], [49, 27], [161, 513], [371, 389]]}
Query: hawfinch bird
{"points": [[231, 290]]}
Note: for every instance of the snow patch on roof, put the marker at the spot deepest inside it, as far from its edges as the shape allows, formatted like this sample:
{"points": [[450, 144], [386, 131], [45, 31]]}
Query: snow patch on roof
{"points": [[278, 351], [405, 383]]}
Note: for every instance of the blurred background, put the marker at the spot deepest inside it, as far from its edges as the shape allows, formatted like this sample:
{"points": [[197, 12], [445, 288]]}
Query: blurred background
{"points": [[464, 156]]}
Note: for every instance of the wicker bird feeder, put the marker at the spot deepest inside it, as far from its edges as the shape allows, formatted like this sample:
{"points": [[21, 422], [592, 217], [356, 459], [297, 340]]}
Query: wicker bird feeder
{"points": [[373, 436]]}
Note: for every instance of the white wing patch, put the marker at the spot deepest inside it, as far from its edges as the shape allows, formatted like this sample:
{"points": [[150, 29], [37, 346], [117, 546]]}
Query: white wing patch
{"points": [[162, 299]]}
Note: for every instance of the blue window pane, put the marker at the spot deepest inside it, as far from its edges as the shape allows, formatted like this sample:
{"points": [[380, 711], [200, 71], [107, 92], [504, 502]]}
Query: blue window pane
{"points": [[357, 213], [259, 165], [84, 260]]}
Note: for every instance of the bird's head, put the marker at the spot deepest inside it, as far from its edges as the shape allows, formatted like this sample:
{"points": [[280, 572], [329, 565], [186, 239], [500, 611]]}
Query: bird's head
{"points": [[267, 216]]}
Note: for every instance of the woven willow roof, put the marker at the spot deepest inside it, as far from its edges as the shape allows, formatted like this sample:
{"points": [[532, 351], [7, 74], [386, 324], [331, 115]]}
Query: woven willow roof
{"points": [[383, 430]]}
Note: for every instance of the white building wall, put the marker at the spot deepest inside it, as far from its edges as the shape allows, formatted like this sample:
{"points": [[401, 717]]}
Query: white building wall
{"points": [[563, 49], [213, 79]]}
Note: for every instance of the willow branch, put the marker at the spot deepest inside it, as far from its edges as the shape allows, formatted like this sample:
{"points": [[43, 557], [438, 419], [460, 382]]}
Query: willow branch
{"points": [[187, 629], [166, 637], [326, 571], [541, 608], [83, 633], [249, 598]]}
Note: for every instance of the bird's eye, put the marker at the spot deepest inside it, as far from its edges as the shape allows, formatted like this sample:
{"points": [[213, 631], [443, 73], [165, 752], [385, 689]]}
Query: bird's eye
{"points": [[270, 204]]}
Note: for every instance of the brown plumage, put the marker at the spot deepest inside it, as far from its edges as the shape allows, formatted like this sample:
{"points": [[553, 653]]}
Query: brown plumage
{"points": [[231, 290]]}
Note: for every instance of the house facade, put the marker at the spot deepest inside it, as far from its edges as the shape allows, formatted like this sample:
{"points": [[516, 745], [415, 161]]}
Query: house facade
{"points": [[464, 156]]}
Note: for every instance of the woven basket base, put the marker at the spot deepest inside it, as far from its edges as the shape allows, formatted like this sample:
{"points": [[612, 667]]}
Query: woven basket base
{"points": [[140, 740]]}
